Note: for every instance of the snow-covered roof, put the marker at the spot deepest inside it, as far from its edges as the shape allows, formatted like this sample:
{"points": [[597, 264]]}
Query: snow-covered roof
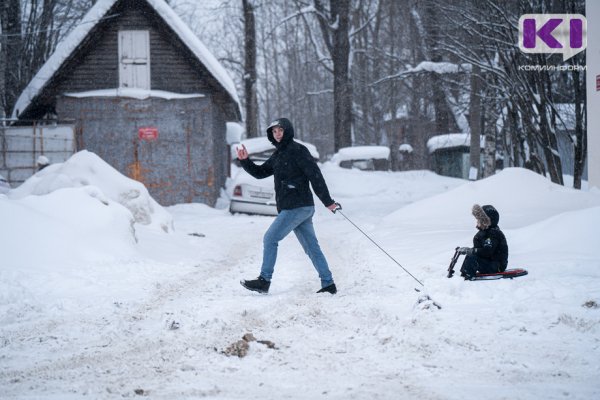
{"points": [[91, 19], [406, 148], [451, 140], [234, 132], [135, 93], [361, 153]]}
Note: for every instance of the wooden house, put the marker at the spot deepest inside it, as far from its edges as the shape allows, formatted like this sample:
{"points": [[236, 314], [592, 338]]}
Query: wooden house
{"points": [[145, 95]]}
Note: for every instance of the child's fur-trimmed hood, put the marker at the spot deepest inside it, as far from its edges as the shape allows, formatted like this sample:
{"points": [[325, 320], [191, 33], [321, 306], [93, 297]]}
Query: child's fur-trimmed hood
{"points": [[486, 216]]}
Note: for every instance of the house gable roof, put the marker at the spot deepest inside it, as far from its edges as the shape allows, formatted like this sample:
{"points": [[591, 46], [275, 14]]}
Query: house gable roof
{"points": [[67, 46]]}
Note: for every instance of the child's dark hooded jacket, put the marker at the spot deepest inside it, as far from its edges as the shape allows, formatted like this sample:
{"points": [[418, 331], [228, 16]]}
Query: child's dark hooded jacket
{"points": [[293, 168], [490, 243]]}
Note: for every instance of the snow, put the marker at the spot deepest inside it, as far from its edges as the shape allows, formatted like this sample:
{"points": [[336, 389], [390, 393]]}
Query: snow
{"points": [[86, 311], [66, 47], [406, 148], [451, 140], [361, 153], [140, 94], [440, 67], [87, 169], [234, 132], [566, 115], [401, 112]]}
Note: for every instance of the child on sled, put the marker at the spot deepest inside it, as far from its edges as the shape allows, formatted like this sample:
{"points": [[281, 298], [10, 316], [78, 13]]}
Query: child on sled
{"points": [[489, 253]]}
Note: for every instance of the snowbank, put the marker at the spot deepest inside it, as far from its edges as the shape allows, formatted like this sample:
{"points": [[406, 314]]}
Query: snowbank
{"points": [[50, 243], [522, 197], [68, 223], [87, 169]]}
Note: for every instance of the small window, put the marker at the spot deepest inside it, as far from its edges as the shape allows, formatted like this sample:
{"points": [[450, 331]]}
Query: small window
{"points": [[134, 59]]}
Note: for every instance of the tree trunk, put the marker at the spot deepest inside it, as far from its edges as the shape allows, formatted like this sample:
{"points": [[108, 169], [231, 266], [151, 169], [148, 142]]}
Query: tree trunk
{"points": [[475, 124], [580, 148], [250, 70], [335, 32], [11, 52], [342, 88]]}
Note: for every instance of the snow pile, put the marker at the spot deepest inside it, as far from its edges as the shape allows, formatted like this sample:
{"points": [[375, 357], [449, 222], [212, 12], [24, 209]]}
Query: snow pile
{"points": [[66, 224], [87, 169], [50, 243], [361, 153], [581, 243], [522, 197]]}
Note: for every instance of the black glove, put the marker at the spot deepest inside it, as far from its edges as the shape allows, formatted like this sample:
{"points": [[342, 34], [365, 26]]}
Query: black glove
{"points": [[465, 250]]}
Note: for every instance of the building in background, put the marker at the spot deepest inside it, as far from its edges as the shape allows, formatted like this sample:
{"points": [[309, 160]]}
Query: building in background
{"points": [[144, 94]]}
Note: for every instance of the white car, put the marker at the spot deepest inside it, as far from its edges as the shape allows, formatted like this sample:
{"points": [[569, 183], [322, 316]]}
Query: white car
{"points": [[257, 196], [253, 196], [4, 185]]}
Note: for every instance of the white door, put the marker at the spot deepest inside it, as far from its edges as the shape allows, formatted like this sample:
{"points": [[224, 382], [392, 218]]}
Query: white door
{"points": [[134, 59]]}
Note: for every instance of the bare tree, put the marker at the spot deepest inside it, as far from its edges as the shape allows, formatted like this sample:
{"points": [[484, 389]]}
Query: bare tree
{"points": [[526, 97], [250, 69], [475, 124], [334, 24], [31, 29], [10, 19]]}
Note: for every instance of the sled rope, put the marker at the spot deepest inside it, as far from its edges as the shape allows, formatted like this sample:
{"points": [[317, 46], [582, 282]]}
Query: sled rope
{"points": [[339, 210]]}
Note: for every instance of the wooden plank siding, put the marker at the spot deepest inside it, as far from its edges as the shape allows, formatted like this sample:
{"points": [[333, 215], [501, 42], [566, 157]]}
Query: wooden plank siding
{"points": [[188, 161], [95, 64]]}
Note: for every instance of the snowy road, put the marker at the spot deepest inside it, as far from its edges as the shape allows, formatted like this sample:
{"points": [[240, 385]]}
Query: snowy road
{"points": [[155, 324]]}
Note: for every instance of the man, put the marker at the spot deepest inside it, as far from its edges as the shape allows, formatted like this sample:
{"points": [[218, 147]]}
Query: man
{"points": [[489, 253], [293, 168]]}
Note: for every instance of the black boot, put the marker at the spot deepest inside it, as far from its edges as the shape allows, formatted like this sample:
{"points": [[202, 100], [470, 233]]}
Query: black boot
{"points": [[260, 285], [329, 289]]}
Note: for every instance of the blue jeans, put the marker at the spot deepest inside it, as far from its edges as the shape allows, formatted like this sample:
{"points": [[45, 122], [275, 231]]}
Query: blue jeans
{"points": [[298, 220]]}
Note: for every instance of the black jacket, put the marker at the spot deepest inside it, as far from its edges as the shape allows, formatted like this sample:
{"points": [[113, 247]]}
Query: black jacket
{"points": [[490, 244], [293, 168]]}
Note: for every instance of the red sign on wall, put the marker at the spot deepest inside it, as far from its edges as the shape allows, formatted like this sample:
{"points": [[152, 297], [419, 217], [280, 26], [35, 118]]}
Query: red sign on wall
{"points": [[148, 133], [597, 83]]}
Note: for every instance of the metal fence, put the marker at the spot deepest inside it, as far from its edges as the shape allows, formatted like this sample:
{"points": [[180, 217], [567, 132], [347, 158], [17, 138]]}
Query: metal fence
{"points": [[20, 147]]}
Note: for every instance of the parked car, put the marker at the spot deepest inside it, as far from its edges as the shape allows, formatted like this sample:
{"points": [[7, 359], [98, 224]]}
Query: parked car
{"points": [[366, 158], [251, 195], [4, 185]]}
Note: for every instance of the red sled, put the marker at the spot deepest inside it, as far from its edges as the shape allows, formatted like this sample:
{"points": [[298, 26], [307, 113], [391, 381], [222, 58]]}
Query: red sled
{"points": [[508, 274]]}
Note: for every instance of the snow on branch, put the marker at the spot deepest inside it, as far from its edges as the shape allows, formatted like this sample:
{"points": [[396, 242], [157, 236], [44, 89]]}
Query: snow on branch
{"points": [[429, 66]]}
